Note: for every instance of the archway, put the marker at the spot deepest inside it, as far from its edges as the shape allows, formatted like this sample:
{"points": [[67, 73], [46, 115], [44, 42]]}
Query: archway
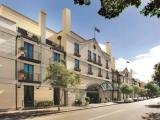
{"points": [[93, 93], [100, 92]]}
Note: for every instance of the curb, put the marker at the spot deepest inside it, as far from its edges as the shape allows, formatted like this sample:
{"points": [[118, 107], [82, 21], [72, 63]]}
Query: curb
{"points": [[41, 112], [84, 108]]}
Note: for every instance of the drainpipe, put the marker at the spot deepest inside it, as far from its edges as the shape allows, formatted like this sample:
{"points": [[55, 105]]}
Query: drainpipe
{"points": [[16, 76]]}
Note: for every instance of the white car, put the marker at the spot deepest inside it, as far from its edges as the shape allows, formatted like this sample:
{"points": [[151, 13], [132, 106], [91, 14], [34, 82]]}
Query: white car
{"points": [[128, 100]]}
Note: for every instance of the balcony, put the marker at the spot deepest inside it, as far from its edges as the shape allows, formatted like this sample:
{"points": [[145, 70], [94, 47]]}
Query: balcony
{"points": [[90, 72], [35, 57], [100, 75], [28, 77], [99, 63], [55, 46], [77, 69], [95, 62], [52, 61], [77, 54], [107, 67], [25, 34], [107, 77]]}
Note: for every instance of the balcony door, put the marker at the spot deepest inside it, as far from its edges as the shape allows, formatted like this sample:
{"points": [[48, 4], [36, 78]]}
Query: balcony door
{"points": [[28, 69], [28, 50]]}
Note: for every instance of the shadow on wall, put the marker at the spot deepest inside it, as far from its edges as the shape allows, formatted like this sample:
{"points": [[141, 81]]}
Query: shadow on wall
{"points": [[151, 116]]}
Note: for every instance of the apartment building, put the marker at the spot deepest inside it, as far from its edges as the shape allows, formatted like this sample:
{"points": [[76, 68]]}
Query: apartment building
{"points": [[27, 49]]}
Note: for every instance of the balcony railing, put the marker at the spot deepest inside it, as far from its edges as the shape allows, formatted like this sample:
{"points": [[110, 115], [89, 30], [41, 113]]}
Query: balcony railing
{"points": [[28, 77], [95, 62], [55, 46], [90, 72], [77, 69], [107, 77], [77, 54], [35, 57], [52, 61], [107, 67], [100, 75], [28, 35]]}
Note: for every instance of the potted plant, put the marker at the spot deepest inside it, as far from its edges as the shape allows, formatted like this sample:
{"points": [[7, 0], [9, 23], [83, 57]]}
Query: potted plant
{"points": [[34, 38], [21, 75], [22, 51], [87, 99]]}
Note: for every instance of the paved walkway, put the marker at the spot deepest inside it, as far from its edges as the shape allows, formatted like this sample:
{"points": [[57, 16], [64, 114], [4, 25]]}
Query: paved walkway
{"points": [[63, 109]]}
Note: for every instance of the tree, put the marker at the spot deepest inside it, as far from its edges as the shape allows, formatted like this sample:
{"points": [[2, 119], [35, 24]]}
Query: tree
{"points": [[113, 8], [142, 92], [136, 90], [152, 89], [156, 76], [126, 89], [59, 76]]}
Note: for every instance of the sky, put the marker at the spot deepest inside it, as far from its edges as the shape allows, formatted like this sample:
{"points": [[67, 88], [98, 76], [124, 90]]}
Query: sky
{"points": [[133, 37]]}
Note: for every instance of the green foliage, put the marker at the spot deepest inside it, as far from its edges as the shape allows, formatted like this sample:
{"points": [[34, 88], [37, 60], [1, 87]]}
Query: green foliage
{"points": [[136, 89], [156, 75], [126, 89], [44, 104], [78, 102], [58, 75], [142, 92], [113, 8], [152, 89], [152, 9], [87, 99]]}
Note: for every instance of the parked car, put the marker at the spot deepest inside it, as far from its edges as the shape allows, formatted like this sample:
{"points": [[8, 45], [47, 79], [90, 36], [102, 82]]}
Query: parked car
{"points": [[140, 98], [135, 99], [128, 100]]}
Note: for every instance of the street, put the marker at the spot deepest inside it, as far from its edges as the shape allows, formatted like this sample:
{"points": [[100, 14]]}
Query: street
{"points": [[143, 110]]}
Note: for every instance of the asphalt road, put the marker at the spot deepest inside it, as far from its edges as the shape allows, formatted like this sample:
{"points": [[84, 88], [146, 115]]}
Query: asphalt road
{"points": [[143, 110]]}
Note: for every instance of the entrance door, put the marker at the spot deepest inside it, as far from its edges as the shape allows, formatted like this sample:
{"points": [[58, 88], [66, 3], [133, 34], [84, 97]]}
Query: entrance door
{"points": [[94, 96], [93, 93], [56, 96], [28, 96]]}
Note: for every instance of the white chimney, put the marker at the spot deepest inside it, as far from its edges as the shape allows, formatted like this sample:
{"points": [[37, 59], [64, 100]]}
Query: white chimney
{"points": [[42, 25], [66, 20]]}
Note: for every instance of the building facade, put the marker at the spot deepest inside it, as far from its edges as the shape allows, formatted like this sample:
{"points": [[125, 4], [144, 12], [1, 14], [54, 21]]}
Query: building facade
{"points": [[27, 49]]}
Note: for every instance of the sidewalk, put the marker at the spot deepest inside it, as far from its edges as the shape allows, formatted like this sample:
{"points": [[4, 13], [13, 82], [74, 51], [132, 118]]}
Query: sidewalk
{"points": [[22, 114]]}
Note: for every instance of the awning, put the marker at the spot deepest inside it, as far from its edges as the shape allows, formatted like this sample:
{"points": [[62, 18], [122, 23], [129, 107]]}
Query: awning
{"points": [[106, 86]]}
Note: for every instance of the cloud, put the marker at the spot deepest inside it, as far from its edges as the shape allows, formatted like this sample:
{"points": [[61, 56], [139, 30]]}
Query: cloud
{"points": [[142, 64], [102, 46]]}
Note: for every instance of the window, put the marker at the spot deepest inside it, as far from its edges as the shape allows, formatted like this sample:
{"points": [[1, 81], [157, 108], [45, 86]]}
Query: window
{"points": [[89, 55], [28, 50], [99, 72], [89, 69], [76, 63], [99, 59], [56, 57], [94, 57], [76, 48], [28, 69], [107, 75], [107, 65]]}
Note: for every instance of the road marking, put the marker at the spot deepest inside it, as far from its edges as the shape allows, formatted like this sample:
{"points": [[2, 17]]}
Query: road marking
{"points": [[105, 115]]}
